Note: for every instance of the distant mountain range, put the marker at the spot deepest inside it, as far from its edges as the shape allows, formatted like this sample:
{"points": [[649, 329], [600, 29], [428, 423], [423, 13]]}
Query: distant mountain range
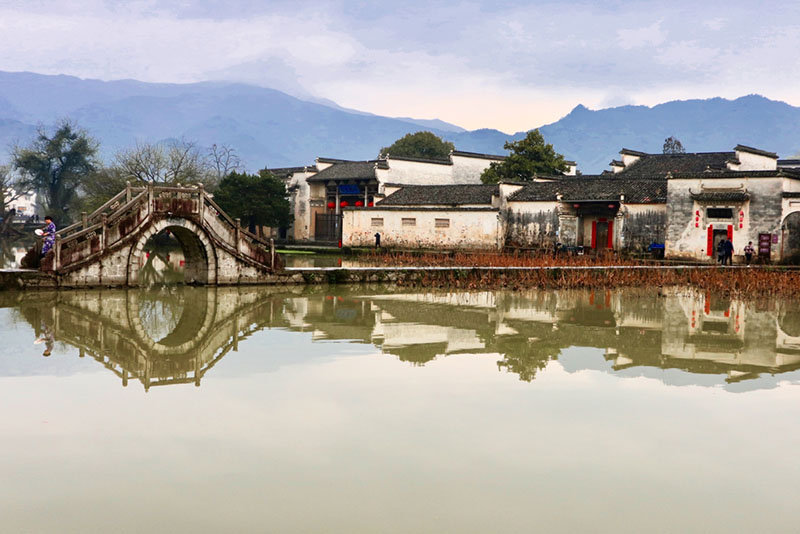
{"points": [[271, 128]]}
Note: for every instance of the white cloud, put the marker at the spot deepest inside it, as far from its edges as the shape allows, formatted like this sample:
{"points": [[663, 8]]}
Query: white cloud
{"points": [[651, 35]]}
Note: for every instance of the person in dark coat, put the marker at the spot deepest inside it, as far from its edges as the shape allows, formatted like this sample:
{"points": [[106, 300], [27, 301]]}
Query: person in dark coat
{"points": [[728, 252], [721, 251], [377, 240]]}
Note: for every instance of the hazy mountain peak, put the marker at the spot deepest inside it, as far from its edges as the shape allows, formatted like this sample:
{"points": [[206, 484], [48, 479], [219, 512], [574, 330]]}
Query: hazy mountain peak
{"points": [[270, 127]]}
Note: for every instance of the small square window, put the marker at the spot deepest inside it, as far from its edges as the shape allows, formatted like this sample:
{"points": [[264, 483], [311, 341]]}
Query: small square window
{"points": [[442, 223], [719, 213], [409, 221], [377, 221]]}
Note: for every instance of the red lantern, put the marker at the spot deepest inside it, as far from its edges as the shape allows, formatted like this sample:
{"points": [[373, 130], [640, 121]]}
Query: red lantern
{"points": [[576, 206], [343, 203], [371, 204], [611, 206], [331, 205], [359, 203]]}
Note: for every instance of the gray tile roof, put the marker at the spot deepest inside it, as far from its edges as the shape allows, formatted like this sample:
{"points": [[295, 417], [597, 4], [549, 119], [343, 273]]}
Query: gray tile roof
{"points": [[736, 195], [777, 173], [348, 170], [440, 195], [284, 172], [658, 165], [595, 188]]}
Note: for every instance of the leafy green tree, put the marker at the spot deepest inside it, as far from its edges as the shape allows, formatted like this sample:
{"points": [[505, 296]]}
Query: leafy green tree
{"points": [[56, 164], [528, 157], [425, 145], [672, 145], [257, 199]]}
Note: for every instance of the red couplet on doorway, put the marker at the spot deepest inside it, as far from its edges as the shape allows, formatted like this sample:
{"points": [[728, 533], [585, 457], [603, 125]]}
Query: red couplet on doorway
{"points": [[610, 234], [710, 241], [594, 234], [730, 232]]}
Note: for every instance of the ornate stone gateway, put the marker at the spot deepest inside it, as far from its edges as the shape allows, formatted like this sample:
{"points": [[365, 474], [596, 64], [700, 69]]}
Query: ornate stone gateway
{"points": [[106, 248]]}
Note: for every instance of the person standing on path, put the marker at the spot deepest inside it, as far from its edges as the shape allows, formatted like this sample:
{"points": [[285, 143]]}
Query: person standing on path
{"points": [[721, 251], [377, 240], [748, 252], [49, 235], [728, 252]]}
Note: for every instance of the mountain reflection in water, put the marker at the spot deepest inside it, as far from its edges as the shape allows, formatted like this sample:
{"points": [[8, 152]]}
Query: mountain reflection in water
{"points": [[177, 335]]}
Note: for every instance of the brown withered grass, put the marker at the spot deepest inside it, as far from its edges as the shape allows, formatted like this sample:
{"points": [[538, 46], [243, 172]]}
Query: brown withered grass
{"points": [[742, 282], [490, 259]]}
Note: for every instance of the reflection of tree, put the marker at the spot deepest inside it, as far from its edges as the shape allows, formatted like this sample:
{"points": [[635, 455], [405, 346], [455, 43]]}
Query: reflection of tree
{"points": [[158, 269], [526, 357], [160, 311]]}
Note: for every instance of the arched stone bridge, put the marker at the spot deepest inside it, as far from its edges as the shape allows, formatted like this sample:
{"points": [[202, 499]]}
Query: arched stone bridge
{"points": [[107, 247]]}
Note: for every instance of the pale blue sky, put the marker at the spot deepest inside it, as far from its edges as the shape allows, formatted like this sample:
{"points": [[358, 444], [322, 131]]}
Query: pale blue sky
{"points": [[508, 65]]}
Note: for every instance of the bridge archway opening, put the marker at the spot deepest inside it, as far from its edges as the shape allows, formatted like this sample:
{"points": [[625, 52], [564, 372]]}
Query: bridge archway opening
{"points": [[172, 252]]}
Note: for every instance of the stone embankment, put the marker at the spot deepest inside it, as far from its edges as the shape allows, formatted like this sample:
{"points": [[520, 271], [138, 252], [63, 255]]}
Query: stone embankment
{"points": [[750, 281]]}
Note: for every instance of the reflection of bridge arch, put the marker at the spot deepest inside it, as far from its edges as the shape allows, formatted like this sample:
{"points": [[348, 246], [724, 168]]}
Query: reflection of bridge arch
{"points": [[196, 319], [108, 327]]}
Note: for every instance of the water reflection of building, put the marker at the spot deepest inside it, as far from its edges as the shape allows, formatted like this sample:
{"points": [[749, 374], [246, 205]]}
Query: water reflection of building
{"points": [[178, 335], [696, 333]]}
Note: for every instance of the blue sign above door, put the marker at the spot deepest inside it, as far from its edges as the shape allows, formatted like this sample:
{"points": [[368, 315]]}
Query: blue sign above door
{"points": [[349, 190]]}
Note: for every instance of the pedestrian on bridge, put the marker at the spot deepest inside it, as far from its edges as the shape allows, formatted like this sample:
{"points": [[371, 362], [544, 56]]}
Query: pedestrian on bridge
{"points": [[49, 235]]}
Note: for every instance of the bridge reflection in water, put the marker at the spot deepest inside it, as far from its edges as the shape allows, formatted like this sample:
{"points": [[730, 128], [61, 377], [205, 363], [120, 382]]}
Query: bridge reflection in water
{"points": [[178, 334]]}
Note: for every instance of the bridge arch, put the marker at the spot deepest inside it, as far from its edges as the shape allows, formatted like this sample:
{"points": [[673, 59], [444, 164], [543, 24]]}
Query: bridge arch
{"points": [[200, 253], [106, 247]]}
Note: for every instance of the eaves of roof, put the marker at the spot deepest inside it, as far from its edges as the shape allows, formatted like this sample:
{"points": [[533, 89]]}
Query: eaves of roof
{"points": [[777, 173], [738, 195], [477, 155], [420, 160], [743, 148]]}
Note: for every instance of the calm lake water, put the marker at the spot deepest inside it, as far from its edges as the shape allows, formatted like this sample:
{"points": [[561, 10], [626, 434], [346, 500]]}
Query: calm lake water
{"points": [[375, 410]]}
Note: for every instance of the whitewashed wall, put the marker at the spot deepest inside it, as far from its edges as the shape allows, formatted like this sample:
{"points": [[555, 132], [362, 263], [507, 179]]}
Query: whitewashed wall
{"points": [[416, 173], [301, 226], [755, 162], [532, 224], [687, 238], [468, 229], [467, 170]]}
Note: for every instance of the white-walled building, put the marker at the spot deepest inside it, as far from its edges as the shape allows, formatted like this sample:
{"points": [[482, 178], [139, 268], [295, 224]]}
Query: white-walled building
{"points": [[25, 205], [320, 192], [684, 203]]}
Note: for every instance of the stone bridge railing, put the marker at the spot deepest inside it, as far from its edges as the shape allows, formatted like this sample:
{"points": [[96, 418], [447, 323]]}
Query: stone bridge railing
{"points": [[133, 209]]}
